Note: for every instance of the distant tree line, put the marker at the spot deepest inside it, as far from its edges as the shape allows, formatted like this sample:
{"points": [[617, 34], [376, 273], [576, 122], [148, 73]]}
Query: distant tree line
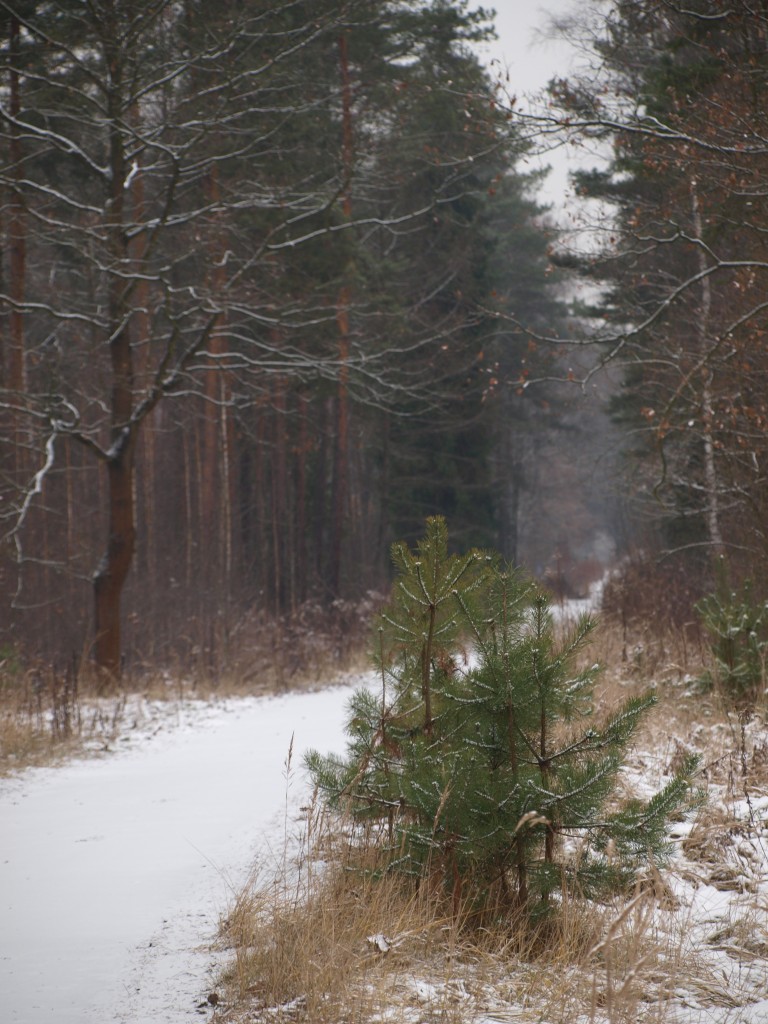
{"points": [[679, 93], [252, 268]]}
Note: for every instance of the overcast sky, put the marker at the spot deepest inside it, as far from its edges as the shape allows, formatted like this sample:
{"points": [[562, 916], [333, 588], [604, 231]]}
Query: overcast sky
{"points": [[524, 52], [522, 46]]}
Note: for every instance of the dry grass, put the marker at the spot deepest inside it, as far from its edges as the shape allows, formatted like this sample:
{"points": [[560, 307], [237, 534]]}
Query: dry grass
{"points": [[330, 939], [325, 943], [41, 717], [48, 714]]}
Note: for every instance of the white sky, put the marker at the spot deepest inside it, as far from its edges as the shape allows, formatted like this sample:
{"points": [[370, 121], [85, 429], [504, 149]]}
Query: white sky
{"points": [[522, 46], [531, 60]]}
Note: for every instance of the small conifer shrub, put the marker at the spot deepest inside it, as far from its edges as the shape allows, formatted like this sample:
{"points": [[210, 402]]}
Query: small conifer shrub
{"points": [[480, 758], [737, 625]]}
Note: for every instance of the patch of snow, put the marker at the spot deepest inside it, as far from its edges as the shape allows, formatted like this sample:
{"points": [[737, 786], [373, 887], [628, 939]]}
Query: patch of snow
{"points": [[424, 991], [114, 871], [757, 1013], [380, 943]]}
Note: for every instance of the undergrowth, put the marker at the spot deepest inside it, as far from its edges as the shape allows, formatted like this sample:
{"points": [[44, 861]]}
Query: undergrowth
{"points": [[49, 713], [329, 938], [332, 938]]}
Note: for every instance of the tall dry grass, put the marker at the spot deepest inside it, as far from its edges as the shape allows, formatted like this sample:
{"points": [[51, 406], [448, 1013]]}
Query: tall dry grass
{"points": [[330, 938], [48, 713], [41, 714]]}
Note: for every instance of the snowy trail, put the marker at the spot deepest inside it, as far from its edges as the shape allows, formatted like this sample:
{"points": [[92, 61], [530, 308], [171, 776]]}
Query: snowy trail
{"points": [[113, 872]]}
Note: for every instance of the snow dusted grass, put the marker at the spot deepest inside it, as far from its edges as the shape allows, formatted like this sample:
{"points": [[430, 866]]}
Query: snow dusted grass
{"points": [[326, 941], [43, 718], [321, 942], [341, 947], [48, 716]]}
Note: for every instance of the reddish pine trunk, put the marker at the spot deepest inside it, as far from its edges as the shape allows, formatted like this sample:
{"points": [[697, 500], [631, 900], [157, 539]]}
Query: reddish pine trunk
{"points": [[341, 454], [301, 501], [112, 573], [280, 511], [216, 442]]}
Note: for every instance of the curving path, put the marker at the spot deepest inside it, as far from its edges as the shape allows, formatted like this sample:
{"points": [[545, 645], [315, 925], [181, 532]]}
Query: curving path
{"points": [[113, 872]]}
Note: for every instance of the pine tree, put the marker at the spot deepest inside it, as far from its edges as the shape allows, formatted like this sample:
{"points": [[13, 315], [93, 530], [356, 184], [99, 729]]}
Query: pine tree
{"points": [[478, 761], [681, 264]]}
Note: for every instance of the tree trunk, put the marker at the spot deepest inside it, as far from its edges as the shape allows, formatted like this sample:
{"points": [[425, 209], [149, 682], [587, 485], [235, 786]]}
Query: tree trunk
{"points": [[15, 379], [341, 451], [508, 468], [280, 509], [16, 233], [300, 543], [711, 483], [141, 338], [113, 571], [215, 389], [320, 515], [341, 454]]}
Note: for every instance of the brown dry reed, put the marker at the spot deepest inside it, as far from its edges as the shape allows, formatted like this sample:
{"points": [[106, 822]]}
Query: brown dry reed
{"points": [[334, 937], [331, 937]]}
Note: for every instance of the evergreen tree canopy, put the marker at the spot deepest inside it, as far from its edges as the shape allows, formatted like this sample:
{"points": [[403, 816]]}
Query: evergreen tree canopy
{"points": [[246, 266], [482, 758], [680, 91]]}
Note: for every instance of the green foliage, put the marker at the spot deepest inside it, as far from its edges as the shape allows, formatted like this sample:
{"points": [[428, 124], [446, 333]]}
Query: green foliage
{"points": [[481, 757], [737, 625], [669, 73]]}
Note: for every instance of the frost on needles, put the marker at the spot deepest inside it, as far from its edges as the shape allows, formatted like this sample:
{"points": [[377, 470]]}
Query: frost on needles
{"points": [[480, 760]]}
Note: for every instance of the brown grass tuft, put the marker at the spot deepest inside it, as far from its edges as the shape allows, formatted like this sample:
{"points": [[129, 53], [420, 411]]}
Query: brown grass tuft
{"points": [[330, 939]]}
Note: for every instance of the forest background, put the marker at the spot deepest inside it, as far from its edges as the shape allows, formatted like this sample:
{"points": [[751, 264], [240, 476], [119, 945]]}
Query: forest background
{"points": [[276, 286]]}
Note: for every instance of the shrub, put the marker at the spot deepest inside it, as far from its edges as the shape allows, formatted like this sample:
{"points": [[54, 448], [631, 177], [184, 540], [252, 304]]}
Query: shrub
{"points": [[737, 625], [480, 758]]}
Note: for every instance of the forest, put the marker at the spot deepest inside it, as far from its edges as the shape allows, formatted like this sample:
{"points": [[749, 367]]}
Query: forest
{"points": [[276, 286]]}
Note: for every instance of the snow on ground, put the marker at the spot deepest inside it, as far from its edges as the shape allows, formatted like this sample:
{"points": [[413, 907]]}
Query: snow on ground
{"points": [[114, 871]]}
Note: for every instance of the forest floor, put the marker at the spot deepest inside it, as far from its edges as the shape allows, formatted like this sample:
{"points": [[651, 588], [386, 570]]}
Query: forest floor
{"points": [[690, 946], [49, 717]]}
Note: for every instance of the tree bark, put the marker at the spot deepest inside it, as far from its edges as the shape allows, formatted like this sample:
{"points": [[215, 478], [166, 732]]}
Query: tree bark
{"points": [[141, 338], [341, 453], [711, 483], [280, 509], [15, 379], [303, 447], [16, 233], [112, 573], [214, 472]]}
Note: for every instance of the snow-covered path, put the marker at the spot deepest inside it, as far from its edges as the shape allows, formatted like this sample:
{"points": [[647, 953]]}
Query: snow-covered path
{"points": [[113, 872]]}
